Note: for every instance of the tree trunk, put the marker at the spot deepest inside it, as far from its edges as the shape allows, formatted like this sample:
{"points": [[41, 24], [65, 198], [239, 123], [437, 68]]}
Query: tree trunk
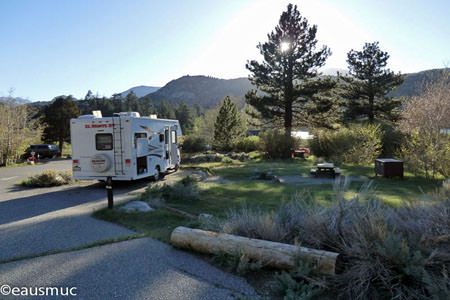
{"points": [[371, 113], [61, 144], [277, 255]]}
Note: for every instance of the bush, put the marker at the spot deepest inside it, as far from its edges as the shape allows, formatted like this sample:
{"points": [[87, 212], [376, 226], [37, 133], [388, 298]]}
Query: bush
{"points": [[355, 144], [227, 160], [193, 143], [186, 189], [392, 140], [385, 252], [248, 144], [48, 178], [275, 143]]}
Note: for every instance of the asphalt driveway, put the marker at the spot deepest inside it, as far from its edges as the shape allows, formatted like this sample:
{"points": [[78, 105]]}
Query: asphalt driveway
{"points": [[34, 222]]}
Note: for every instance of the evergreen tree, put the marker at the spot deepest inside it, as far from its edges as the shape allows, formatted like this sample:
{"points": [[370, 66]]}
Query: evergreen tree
{"points": [[117, 103], [147, 107], [132, 102], [288, 76], [56, 119], [199, 110], [105, 105], [185, 114], [369, 84], [166, 110], [89, 95], [228, 127]]}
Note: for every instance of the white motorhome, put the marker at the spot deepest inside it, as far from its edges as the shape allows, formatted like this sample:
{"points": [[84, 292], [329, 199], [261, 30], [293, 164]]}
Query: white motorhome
{"points": [[124, 147]]}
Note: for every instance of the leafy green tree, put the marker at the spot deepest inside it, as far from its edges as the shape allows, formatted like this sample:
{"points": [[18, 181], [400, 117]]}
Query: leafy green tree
{"points": [[56, 119], [203, 125], [228, 127], [369, 83], [287, 79], [17, 130]]}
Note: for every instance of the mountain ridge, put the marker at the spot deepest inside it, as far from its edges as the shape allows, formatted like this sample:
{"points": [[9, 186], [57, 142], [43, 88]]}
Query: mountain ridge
{"points": [[140, 90], [209, 91]]}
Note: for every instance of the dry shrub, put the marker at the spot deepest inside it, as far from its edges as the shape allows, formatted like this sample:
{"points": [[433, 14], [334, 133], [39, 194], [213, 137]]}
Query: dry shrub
{"points": [[426, 122], [186, 189], [385, 252], [48, 178]]}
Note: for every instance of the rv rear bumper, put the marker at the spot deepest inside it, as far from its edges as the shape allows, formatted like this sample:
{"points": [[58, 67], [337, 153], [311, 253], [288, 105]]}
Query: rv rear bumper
{"points": [[123, 178]]}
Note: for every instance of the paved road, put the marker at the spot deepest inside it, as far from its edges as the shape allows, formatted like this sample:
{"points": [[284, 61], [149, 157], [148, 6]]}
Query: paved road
{"points": [[35, 221], [138, 269], [8, 176]]}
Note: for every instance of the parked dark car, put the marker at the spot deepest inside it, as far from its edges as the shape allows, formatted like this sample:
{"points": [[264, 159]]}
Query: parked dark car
{"points": [[42, 151]]}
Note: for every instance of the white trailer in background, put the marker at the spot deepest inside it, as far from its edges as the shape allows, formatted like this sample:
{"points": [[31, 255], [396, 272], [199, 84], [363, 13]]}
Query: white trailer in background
{"points": [[124, 147]]}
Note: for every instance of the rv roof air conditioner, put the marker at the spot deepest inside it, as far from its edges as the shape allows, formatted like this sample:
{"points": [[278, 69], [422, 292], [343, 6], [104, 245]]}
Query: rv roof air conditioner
{"points": [[86, 117], [133, 114]]}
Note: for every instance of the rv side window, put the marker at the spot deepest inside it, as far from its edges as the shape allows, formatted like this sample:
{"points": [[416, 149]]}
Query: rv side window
{"points": [[161, 138], [174, 137], [166, 136], [103, 141]]}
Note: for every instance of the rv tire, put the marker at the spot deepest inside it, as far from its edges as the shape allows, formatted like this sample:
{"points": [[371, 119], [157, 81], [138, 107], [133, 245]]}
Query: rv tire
{"points": [[157, 176]]}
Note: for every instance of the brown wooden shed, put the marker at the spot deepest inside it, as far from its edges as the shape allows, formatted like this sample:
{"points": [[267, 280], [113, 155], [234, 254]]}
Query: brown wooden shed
{"points": [[389, 167]]}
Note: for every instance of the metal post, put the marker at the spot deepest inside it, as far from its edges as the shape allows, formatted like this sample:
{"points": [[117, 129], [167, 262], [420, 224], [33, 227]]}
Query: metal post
{"points": [[109, 192]]}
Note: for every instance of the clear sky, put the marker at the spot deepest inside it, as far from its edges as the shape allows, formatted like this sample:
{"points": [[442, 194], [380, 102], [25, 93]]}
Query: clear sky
{"points": [[61, 47]]}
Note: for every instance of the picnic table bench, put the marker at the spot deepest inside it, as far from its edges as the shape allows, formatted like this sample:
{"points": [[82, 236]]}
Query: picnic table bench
{"points": [[326, 170]]}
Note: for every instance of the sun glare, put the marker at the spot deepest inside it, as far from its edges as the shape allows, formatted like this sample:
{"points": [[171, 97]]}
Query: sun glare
{"points": [[284, 46]]}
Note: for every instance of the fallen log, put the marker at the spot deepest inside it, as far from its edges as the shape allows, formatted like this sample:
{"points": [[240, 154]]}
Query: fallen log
{"points": [[277, 255]]}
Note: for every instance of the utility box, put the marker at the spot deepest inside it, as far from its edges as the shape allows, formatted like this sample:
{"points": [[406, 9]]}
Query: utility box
{"points": [[389, 167]]}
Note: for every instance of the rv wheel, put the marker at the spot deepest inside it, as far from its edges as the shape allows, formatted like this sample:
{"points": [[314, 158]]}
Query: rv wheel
{"points": [[157, 176]]}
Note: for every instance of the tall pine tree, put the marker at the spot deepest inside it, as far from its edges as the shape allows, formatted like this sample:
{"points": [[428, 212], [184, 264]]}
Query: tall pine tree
{"points": [[166, 110], [369, 83], [186, 116], [288, 76], [228, 127], [132, 102]]}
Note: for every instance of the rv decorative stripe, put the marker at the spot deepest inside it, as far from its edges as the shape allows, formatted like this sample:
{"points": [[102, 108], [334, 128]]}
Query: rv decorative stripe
{"points": [[157, 155]]}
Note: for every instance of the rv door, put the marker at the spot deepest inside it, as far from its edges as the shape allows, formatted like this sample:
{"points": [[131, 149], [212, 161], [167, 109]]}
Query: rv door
{"points": [[167, 145], [173, 146]]}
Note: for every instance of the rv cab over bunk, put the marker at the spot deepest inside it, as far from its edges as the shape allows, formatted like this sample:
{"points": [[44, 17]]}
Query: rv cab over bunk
{"points": [[125, 146]]}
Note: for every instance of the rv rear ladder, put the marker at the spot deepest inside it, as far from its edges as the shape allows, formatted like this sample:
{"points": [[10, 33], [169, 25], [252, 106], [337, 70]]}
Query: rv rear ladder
{"points": [[118, 151]]}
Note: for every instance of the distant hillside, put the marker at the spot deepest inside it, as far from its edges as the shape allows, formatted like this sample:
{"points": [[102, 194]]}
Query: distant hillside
{"points": [[415, 83], [18, 100], [140, 91], [206, 91], [209, 91]]}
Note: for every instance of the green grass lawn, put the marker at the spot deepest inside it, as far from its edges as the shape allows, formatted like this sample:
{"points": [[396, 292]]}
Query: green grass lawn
{"points": [[219, 198]]}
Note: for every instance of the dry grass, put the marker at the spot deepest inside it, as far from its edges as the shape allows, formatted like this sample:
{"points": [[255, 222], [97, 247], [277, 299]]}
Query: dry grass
{"points": [[48, 178], [386, 252]]}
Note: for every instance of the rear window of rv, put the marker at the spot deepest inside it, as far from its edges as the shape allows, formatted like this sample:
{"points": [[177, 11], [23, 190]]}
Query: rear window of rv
{"points": [[174, 137], [103, 141]]}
